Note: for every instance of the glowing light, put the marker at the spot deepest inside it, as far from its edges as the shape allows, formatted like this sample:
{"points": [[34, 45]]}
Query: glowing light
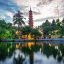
{"points": [[18, 32], [30, 44], [17, 45]]}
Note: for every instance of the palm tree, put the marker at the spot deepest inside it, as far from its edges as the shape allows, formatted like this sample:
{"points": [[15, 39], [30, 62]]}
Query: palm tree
{"points": [[18, 19]]}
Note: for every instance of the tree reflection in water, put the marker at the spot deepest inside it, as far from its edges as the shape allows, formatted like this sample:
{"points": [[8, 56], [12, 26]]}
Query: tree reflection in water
{"points": [[6, 50], [57, 51]]}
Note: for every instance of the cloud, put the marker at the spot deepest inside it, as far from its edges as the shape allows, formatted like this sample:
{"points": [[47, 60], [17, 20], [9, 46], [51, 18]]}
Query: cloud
{"points": [[25, 4], [42, 9], [10, 14], [7, 9], [44, 2], [8, 5], [43, 19]]}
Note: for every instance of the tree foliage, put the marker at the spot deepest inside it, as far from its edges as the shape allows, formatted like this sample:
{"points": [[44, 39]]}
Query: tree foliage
{"points": [[18, 19], [6, 30], [54, 28], [46, 28], [6, 50]]}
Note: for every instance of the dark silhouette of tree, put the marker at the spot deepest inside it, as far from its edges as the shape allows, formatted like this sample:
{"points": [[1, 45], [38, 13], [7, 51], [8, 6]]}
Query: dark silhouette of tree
{"points": [[26, 30], [62, 21], [30, 51], [6, 50], [58, 23], [46, 28], [59, 58], [35, 33], [18, 19], [53, 25]]}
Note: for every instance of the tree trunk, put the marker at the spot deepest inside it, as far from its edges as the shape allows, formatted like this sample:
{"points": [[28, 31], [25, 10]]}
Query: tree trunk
{"points": [[18, 32], [18, 27], [31, 57]]}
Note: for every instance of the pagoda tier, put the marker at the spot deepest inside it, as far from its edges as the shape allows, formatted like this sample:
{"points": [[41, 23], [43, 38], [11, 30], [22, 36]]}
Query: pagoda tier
{"points": [[30, 18]]}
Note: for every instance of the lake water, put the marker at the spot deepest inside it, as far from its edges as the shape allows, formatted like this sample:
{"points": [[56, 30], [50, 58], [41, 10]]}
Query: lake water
{"points": [[38, 59]]}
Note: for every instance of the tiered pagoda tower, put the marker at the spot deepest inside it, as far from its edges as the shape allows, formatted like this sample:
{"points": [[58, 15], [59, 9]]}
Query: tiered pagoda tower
{"points": [[30, 18]]}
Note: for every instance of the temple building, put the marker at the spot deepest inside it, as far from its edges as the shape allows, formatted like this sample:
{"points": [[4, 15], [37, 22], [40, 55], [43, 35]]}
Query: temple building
{"points": [[30, 23], [30, 18]]}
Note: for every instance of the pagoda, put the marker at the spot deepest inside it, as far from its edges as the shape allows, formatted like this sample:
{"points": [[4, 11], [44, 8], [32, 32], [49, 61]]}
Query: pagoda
{"points": [[30, 23], [30, 18]]}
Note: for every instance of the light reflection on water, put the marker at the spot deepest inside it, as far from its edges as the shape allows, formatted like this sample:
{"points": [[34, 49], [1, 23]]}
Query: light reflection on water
{"points": [[38, 59]]}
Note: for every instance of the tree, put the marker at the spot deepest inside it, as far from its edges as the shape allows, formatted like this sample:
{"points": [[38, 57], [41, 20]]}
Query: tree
{"points": [[61, 31], [35, 33], [46, 28], [47, 23], [6, 30], [53, 25], [3, 29], [6, 50], [58, 53], [62, 21], [18, 19], [26, 30], [58, 23], [2, 23], [60, 27]]}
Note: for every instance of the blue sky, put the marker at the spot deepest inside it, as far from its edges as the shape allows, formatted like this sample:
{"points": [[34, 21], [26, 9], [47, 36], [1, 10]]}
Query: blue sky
{"points": [[42, 9], [7, 9]]}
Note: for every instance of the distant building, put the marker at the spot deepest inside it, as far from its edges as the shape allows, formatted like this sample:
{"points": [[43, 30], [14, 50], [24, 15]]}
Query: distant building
{"points": [[30, 18]]}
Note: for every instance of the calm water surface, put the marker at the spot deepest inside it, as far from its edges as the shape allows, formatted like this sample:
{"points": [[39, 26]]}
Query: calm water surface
{"points": [[38, 59]]}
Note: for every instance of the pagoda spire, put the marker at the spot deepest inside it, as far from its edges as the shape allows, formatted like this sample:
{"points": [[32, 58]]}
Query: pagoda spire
{"points": [[30, 9], [30, 18]]}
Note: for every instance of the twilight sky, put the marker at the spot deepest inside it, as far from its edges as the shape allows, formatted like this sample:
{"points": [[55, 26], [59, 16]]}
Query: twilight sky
{"points": [[42, 9]]}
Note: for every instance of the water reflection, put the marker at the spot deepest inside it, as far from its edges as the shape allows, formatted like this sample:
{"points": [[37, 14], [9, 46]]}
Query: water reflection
{"points": [[7, 61], [39, 57]]}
